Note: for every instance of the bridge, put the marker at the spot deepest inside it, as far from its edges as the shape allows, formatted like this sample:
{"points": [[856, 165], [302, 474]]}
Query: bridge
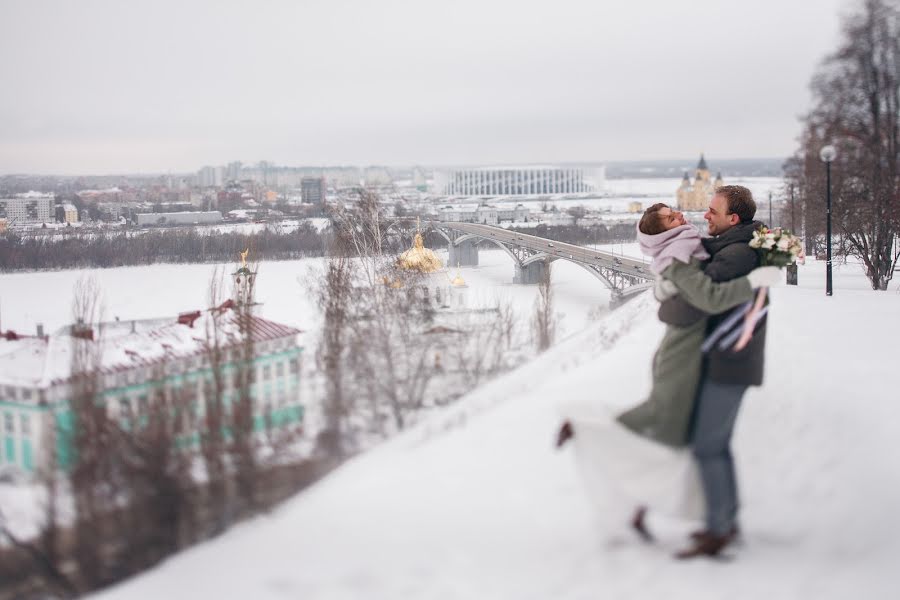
{"points": [[532, 255]]}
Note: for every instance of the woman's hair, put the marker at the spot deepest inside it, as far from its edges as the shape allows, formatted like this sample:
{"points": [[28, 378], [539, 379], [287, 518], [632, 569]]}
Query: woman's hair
{"points": [[651, 223]]}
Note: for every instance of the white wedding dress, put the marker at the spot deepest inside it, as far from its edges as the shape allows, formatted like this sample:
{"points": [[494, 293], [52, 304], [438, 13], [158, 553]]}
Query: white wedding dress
{"points": [[622, 470]]}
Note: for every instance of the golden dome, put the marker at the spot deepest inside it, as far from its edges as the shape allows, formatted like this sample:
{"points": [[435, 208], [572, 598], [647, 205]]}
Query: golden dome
{"points": [[458, 281], [419, 258]]}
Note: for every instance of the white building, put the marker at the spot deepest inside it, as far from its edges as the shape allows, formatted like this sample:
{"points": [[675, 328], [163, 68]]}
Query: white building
{"points": [[518, 181], [483, 213], [139, 360], [27, 209], [211, 177]]}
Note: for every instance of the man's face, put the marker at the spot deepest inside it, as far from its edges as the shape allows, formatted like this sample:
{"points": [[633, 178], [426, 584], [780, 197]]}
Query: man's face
{"points": [[718, 219], [671, 218]]}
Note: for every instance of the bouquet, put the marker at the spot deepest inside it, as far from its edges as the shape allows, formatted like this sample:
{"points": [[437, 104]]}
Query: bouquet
{"points": [[777, 248]]}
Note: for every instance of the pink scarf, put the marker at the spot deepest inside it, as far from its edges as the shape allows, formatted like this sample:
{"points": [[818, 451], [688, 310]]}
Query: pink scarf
{"points": [[681, 243]]}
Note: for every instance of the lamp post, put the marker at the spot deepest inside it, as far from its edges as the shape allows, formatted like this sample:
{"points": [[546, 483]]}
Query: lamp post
{"points": [[828, 154], [793, 229]]}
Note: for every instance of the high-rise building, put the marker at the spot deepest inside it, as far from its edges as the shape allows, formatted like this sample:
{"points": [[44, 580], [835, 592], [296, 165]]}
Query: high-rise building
{"points": [[233, 171], [29, 208], [312, 190]]}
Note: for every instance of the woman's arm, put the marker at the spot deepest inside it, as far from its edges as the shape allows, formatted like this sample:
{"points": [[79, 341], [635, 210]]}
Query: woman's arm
{"points": [[697, 289]]}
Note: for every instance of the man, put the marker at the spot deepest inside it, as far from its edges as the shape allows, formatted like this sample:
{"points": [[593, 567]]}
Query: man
{"points": [[726, 374]]}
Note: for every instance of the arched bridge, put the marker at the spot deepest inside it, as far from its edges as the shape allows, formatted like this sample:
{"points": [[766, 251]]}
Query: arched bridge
{"points": [[623, 276]]}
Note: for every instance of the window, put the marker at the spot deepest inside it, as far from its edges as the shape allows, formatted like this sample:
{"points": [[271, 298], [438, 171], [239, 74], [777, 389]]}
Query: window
{"points": [[26, 394], [8, 423], [25, 424], [295, 365], [279, 369], [125, 408], [267, 372], [142, 403]]}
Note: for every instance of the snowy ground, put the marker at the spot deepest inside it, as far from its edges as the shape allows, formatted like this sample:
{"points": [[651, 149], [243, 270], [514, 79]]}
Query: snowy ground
{"points": [[474, 503]]}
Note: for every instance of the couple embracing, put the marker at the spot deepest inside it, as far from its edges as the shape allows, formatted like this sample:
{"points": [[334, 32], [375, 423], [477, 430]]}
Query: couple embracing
{"points": [[672, 452]]}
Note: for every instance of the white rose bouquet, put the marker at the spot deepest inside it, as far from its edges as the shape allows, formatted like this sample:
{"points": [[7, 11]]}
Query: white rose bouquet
{"points": [[777, 247]]}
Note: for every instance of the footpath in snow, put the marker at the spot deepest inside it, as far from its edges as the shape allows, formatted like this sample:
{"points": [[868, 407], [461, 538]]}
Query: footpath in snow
{"points": [[475, 502]]}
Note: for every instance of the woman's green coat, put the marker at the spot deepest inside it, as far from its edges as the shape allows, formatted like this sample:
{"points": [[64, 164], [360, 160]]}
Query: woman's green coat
{"points": [[665, 416]]}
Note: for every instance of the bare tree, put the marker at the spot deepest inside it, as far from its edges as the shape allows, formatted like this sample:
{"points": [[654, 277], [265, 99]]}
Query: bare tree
{"points": [[543, 322], [243, 448], [334, 293], [155, 518], [212, 434], [857, 108], [486, 339], [92, 476], [388, 353]]}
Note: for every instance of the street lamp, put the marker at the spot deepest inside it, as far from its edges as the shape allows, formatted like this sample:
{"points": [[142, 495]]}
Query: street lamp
{"points": [[828, 154]]}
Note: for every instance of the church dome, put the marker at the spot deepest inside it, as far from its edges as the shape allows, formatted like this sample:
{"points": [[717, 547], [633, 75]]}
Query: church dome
{"points": [[458, 281], [419, 258]]}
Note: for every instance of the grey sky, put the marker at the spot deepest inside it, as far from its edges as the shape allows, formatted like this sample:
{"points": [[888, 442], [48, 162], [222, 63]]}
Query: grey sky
{"points": [[127, 86]]}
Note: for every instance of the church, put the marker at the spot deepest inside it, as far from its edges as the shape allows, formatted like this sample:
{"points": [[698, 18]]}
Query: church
{"points": [[696, 196]]}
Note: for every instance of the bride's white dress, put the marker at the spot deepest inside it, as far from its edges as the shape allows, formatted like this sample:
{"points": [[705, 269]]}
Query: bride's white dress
{"points": [[622, 470]]}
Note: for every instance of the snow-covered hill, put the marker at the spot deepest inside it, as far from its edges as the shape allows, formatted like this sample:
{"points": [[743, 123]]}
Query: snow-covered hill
{"points": [[475, 503]]}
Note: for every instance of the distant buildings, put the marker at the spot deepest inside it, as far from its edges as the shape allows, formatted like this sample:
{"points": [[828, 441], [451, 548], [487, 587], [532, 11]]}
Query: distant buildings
{"points": [[696, 196], [70, 213], [178, 218], [312, 190], [483, 213], [210, 177], [517, 181], [28, 208]]}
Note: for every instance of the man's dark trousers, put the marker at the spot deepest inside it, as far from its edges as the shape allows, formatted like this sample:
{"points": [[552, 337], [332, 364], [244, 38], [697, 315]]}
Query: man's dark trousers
{"points": [[716, 411]]}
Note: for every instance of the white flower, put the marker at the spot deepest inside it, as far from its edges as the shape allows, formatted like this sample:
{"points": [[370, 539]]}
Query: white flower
{"points": [[784, 243], [755, 242], [769, 243]]}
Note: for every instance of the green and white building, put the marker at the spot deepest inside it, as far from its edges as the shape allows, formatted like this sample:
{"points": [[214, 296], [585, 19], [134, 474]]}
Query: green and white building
{"points": [[137, 359]]}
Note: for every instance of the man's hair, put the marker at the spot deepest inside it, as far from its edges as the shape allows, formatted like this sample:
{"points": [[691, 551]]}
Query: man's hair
{"points": [[651, 223], [740, 201]]}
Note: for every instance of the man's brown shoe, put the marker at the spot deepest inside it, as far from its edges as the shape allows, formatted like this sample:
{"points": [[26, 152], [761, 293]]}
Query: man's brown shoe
{"points": [[706, 544], [733, 533]]}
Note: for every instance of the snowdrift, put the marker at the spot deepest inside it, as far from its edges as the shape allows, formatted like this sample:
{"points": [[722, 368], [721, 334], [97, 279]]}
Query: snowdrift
{"points": [[475, 502]]}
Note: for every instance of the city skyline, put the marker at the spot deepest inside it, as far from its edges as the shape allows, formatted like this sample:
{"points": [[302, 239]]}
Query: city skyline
{"points": [[102, 88]]}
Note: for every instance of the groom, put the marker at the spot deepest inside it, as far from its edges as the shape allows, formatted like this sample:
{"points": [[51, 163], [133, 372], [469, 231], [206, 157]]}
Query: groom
{"points": [[726, 374]]}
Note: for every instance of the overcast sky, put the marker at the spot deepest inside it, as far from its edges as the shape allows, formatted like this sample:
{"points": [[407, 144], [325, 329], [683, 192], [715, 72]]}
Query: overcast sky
{"points": [[133, 86]]}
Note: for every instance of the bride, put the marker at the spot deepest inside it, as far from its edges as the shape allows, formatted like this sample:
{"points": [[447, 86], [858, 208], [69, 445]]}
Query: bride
{"points": [[640, 456]]}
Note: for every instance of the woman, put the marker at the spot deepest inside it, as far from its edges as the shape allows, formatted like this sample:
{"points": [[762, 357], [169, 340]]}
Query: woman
{"points": [[661, 474]]}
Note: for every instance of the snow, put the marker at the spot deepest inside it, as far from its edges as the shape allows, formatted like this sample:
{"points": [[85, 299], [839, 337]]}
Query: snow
{"points": [[28, 299], [475, 503]]}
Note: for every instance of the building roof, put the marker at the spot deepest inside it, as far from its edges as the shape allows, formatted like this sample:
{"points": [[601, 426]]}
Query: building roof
{"points": [[702, 163], [39, 362]]}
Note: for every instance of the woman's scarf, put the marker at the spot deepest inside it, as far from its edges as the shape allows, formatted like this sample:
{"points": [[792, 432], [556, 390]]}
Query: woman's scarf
{"points": [[681, 243]]}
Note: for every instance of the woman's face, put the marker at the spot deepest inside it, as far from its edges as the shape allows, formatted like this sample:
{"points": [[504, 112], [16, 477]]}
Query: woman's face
{"points": [[671, 218]]}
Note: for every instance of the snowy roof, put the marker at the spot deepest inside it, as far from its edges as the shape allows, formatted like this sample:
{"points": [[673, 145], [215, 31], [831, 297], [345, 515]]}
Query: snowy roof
{"points": [[34, 194], [461, 207], [43, 361]]}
